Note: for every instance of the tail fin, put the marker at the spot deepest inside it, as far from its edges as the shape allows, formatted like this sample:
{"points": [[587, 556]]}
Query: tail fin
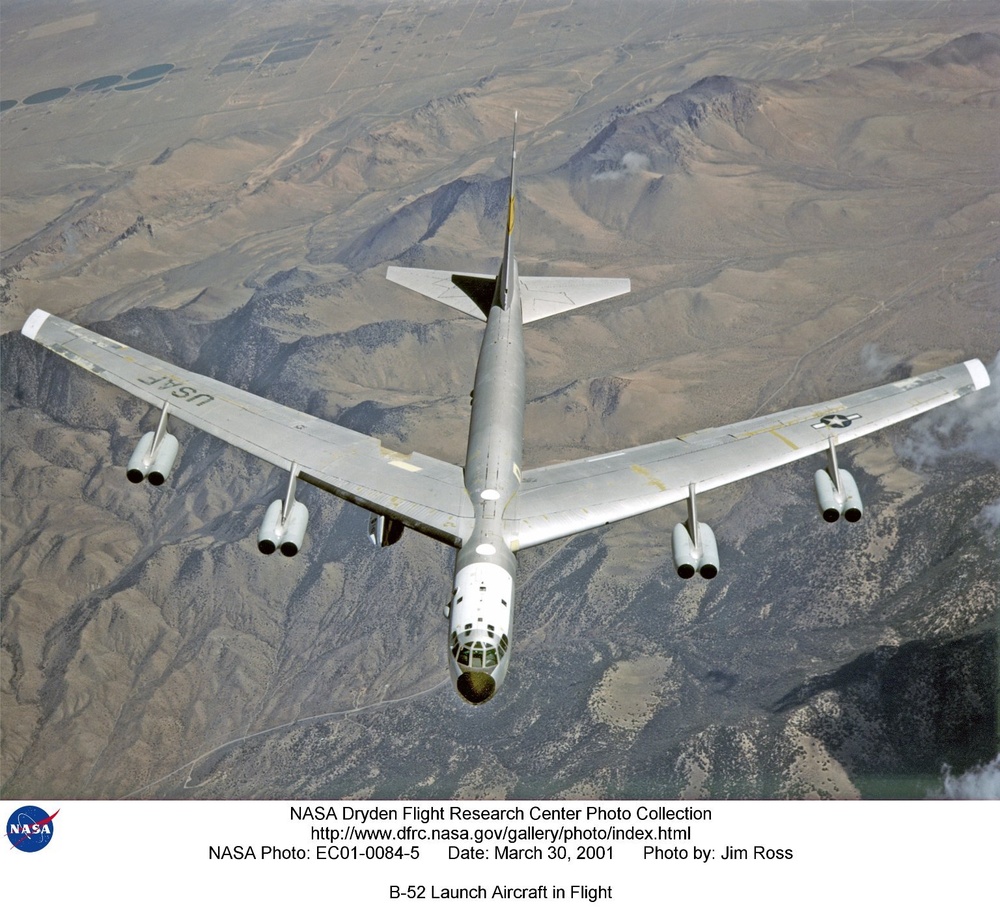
{"points": [[472, 294], [507, 266], [540, 296]]}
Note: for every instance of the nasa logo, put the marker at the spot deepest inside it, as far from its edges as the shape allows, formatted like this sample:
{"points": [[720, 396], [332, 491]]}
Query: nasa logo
{"points": [[30, 828]]}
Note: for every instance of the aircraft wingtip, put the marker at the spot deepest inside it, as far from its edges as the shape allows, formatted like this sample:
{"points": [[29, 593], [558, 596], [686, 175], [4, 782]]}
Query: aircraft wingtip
{"points": [[34, 323], [980, 377]]}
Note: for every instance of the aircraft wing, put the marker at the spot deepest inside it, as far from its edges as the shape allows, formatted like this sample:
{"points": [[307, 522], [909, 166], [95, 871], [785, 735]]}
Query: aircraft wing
{"points": [[424, 493], [570, 497]]}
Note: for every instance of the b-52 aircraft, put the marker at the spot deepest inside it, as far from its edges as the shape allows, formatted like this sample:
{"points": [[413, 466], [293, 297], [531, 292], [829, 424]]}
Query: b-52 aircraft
{"points": [[491, 508]]}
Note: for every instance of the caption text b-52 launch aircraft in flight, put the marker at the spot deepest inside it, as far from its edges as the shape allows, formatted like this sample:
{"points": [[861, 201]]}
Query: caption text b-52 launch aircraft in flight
{"points": [[491, 508]]}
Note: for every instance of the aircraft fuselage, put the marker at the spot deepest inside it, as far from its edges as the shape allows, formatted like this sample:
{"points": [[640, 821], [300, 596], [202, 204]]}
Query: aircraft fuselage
{"points": [[482, 604]]}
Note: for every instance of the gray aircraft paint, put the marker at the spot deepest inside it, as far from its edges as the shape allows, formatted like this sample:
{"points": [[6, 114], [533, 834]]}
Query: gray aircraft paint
{"points": [[485, 563]]}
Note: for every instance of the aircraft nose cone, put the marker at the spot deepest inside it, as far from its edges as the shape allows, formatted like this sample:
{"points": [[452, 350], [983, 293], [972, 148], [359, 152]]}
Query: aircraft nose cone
{"points": [[476, 687]]}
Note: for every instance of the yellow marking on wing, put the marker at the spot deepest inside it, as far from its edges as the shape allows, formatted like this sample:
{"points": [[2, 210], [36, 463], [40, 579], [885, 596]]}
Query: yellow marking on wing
{"points": [[648, 475], [785, 440], [510, 216]]}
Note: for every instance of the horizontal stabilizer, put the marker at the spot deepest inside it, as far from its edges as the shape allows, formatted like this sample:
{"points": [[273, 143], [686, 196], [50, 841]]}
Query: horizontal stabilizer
{"points": [[469, 293], [545, 296], [540, 296]]}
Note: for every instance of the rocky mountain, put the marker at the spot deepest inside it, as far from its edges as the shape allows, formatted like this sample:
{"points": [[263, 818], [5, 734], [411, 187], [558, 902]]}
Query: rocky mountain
{"points": [[818, 220]]}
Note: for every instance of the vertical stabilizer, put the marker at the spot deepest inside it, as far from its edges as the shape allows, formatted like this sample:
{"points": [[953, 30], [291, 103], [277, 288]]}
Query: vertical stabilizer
{"points": [[508, 270], [476, 294]]}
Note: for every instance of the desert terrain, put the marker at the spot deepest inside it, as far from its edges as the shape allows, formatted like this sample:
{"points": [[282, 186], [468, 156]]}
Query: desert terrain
{"points": [[807, 200]]}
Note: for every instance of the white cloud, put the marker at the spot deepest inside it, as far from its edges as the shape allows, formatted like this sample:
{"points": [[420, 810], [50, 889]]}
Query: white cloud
{"points": [[631, 164], [969, 426], [980, 782], [876, 361], [989, 515]]}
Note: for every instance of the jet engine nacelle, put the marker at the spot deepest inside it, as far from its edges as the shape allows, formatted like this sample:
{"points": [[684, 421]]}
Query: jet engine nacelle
{"points": [[383, 531], [152, 465], [689, 559], [832, 504], [283, 531]]}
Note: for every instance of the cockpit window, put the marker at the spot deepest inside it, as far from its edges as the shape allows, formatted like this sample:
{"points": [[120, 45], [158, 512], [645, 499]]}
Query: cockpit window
{"points": [[477, 654]]}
